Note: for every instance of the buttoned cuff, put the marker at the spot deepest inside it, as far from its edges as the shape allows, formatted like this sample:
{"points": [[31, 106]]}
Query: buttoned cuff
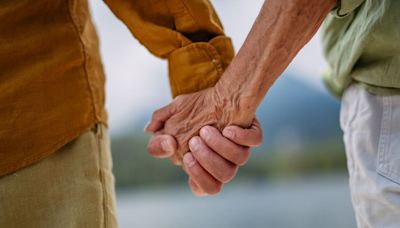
{"points": [[345, 7], [199, 65]]}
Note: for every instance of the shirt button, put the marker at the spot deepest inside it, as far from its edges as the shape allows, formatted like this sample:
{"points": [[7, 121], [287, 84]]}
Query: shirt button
{"points": [[214, 61]]}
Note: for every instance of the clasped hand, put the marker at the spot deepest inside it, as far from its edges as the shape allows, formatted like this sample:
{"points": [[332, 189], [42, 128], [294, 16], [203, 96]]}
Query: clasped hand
{"points": [[196, 130]]}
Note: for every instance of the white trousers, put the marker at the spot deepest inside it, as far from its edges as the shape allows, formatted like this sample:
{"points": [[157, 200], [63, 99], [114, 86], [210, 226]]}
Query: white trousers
{"points": [[371, 126]]}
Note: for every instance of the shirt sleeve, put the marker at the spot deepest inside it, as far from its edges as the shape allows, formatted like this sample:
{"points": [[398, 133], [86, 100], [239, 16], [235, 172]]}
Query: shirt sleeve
{"points": [[345, 7], [186, 32]]}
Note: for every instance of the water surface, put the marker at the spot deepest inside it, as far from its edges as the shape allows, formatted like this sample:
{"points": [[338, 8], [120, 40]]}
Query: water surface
{"points": [[322, 201]]}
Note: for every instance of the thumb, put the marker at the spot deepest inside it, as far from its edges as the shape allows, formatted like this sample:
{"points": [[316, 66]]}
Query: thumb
{"points": [[158, 119], [250, 137]]}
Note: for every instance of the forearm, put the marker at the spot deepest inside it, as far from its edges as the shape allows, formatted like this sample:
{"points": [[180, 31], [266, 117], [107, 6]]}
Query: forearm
{"points": [[281, 29]]}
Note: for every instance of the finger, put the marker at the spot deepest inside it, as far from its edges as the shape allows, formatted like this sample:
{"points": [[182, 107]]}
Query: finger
{"points": [[217, 166], [162, 146], [202, 178], [229, 150], [196, 188], [158, 119], [250, 137]]}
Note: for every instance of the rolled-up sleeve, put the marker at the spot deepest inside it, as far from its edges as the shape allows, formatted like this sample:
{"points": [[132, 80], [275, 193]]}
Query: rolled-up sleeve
{"points": [[186, 32], [345, 7]]}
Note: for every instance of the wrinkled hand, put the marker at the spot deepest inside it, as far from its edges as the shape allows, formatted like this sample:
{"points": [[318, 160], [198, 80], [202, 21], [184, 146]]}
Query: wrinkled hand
{"points": [[187, 114], [214, 157]]}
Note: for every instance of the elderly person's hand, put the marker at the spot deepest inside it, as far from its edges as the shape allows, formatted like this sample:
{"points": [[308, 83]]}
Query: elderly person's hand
{"points": [[214, 157], [187, 114]]}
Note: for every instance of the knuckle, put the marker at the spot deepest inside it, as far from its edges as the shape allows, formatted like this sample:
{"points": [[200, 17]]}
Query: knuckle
{"points": [[154, 116], [228, 175], [244, 157], [214, 189], [226, 178]]}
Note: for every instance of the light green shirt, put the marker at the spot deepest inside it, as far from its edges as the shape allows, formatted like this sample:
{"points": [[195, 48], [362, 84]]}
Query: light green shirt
{"points": [[361, 41]]}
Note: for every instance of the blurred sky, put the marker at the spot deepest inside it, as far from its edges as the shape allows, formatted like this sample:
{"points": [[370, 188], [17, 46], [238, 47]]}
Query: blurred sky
{"points": [[137, 82]]}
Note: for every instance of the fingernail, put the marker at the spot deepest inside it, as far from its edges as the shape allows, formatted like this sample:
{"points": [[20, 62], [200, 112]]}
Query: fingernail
{"points": [[189, 160], [205, 132], [194, 143], [167, 146], [228, 133], [146, 126]]}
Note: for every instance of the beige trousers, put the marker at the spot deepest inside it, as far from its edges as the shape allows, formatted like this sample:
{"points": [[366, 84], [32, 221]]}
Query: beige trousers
{"points": [[73, 188]]}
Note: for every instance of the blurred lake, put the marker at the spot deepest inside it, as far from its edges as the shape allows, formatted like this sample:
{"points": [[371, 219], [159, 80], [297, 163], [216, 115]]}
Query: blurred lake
{"points": [[306, 202]]}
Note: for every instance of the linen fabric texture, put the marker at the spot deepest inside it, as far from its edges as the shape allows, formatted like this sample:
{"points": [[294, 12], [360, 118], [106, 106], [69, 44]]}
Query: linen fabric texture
{"points": [[74, 187], [51, 75], [371, 126], [361, 42]]}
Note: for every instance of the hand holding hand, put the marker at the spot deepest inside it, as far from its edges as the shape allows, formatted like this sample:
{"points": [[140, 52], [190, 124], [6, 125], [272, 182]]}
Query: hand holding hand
{"points": [[215, 158], [187, 114]]}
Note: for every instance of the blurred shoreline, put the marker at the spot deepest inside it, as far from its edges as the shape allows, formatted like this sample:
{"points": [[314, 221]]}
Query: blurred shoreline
{"points": [[307, 201]]}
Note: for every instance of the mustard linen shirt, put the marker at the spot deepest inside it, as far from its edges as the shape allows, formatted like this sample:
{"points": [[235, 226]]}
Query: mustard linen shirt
{"points": [[51, 75]]}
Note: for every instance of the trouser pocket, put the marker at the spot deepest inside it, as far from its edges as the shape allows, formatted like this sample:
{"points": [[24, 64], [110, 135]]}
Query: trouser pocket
{"points": [[348, 114], [389, 141]]}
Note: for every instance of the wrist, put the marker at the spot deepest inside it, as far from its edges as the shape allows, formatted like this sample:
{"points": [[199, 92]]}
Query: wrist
{"points": [[238, 108]]}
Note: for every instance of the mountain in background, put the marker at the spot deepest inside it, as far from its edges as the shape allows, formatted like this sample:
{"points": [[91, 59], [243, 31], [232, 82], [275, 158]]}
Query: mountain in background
{"points": [[296, 113]]}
